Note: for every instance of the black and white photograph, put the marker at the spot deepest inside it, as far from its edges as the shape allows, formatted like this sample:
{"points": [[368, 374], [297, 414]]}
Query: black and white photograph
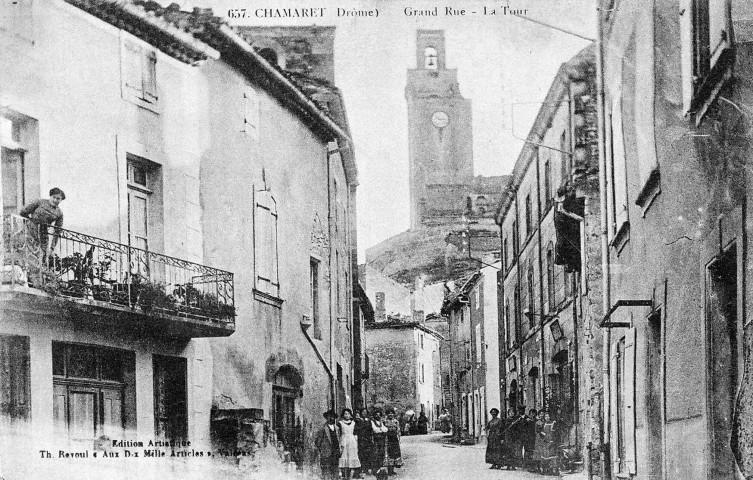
{"points": [[376, 239]]}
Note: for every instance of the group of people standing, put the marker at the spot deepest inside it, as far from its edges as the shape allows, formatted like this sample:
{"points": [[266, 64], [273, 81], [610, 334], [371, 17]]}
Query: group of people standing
{"points": [[523, 441], [362, 444], [413, 425]]}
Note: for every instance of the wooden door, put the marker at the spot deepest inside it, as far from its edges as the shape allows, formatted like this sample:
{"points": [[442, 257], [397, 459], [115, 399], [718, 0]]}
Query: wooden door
{"points": [[82, 413], [138, 229]]}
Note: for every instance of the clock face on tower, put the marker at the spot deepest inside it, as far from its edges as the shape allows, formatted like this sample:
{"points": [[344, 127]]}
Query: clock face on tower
{"points": [[440, 119]]}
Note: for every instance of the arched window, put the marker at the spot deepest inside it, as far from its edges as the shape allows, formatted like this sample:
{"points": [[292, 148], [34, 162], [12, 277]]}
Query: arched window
{"points": [[430, 58]]}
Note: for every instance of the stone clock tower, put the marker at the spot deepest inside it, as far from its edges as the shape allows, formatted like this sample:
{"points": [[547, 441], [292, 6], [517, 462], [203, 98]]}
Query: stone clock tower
{"points": [[439, 136]]}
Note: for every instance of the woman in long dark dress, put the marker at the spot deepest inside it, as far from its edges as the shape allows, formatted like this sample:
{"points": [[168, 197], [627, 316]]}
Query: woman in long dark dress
{"points": [[365, 441], [379, 436], [494, 453], [549, 450], [394, 455], [510, 440]]}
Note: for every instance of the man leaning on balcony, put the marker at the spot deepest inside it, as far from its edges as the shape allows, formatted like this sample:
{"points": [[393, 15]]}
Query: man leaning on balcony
{"points": [[44, 213]]}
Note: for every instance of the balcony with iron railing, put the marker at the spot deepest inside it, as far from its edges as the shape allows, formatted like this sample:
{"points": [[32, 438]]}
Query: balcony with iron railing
{"points": [[110, 280]]}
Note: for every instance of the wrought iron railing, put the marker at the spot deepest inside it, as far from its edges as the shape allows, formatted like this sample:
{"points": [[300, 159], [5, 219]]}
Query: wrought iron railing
{"points": [[82, 266]]}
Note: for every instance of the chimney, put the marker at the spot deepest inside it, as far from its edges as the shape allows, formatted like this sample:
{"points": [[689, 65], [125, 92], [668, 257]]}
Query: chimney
{"points": [[418, 316]]}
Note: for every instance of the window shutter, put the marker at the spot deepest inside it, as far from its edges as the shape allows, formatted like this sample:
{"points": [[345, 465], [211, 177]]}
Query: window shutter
{"points": [[265, 242], [718, 29], [686, 45], [613, 416], [629, 395], [131, 68], [149, 72], [272, 225], [261, 241], [618, 165]]}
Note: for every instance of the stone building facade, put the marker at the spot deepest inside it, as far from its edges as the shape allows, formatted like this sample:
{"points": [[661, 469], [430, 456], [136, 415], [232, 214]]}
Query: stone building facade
{"points": [[403, 362], [543, 290], [107, 335], [678, 143], [463, 308], [170, 134]]}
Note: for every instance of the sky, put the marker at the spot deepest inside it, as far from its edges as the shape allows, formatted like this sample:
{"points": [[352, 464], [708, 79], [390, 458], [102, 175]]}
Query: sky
{"points": [[505, 66]]}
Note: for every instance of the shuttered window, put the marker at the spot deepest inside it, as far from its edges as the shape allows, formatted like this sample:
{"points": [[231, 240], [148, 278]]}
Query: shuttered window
{"points": [[617, 193], [138, 70], [622, 404], [705, 37], [265, 243], [629, 402]]}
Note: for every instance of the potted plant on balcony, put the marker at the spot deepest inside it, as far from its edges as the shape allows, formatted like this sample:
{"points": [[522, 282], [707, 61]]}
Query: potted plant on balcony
{"points": [[193, 301], [153, 295]]}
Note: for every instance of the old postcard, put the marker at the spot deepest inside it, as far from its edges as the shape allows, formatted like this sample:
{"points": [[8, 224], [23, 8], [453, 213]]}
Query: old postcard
{"points": [[361, 239]]}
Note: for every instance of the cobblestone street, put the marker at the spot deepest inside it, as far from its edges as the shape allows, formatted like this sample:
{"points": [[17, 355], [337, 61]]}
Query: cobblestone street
{"points": [[427, 457]]}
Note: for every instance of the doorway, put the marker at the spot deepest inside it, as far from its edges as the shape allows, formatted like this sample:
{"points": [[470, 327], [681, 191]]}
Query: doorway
{"points": [[722, 358], [655, 394], [285, 391]]}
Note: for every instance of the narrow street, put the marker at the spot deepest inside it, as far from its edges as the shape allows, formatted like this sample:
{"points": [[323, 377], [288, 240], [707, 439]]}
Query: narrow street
{"points": [[428, 457]]}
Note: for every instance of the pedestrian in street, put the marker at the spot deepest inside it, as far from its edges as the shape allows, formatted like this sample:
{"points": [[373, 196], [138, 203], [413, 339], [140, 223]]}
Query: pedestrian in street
{"points": [[549, 444], [45, 213], [365, 442], [529, 438], [444, 421], [539, 448], [518, 432], [394, 456], [423, 424], [510, 440], [379, 435], [348, 444], [494, 452], [327, 443]]}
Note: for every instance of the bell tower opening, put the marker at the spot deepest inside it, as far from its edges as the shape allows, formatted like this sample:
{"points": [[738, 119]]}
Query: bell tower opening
{"points": [[430, 52], [430, 58]]}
